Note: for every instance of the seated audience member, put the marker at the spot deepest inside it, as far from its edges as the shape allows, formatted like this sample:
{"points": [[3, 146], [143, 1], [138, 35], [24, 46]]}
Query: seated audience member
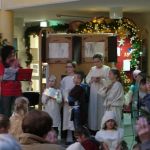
{"points": [[145, 102], [143, 131], [36, 125], [20, 109], [7, 142], [52, 137], [138, 142], [83, 139], [110, 135], [142, 92], [4, 124]]}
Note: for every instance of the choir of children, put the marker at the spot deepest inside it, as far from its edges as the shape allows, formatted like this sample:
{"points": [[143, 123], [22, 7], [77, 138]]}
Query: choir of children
{"points": [[104, 108]]}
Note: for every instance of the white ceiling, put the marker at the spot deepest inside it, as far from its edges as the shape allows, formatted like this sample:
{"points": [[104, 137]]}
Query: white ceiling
{"points": [[86, 8]]}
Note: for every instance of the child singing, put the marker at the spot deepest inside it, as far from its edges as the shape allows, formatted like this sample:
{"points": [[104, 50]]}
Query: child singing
{"points": [[51, 98]]}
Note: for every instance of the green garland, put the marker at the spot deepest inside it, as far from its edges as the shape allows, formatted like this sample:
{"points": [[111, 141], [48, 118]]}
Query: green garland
{"points": [[34, 30]]}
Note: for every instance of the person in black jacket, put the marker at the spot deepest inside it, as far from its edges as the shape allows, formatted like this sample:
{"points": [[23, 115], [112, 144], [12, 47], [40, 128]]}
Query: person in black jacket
{"points": [[76, 100]]}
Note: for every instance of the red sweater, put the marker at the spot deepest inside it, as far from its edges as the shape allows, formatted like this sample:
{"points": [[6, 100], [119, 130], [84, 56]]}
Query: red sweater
{"points": [[1, 69], [9, 88]]}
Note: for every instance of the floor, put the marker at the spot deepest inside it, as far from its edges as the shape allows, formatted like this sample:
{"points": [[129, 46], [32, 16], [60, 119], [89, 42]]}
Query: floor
{"points": [[129, 130]]}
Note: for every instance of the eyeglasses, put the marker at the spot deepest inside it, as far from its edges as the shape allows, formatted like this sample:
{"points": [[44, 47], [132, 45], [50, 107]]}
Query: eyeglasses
{"points": [[69, 67]]}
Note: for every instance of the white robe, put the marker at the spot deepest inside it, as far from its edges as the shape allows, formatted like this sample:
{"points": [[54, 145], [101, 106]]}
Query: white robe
{"points": [[51, 106], [110, 137], [96, 103], [114, 100], [66, 85]]}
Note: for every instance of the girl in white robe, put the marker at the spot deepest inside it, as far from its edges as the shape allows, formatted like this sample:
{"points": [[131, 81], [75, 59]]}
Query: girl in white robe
{"points": [[110, 135], [95, 78], [51, 99], [66, 85], [114, 95]]}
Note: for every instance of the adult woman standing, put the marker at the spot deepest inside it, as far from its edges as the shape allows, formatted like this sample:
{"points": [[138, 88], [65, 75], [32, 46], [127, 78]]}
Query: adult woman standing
{"points": [[66, 85], [10, 89], [96, 78], [114, 97]]}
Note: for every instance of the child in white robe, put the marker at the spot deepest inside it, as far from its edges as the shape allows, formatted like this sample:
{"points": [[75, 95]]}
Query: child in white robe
{"points": [[51, 98], [114, 95], [96, 78], [110, 135]]}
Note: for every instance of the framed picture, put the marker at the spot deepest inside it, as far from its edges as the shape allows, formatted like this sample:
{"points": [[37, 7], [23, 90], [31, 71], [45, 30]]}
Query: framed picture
{"points": [[35, 68], [94, 44], [94, 48], [59, 48]]}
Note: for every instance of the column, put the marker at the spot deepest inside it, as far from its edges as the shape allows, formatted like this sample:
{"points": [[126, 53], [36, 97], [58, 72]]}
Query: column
{"points": [[6, 25]]}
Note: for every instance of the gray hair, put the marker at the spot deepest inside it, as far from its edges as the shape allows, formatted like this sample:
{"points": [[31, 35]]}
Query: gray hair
{"points": [[7, 142]]}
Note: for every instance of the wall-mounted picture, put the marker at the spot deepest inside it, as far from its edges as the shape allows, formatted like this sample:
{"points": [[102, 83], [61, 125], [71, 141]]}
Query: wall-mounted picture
{"points": [[58, 50], [35, 68], [92, 48], [94, 44]]}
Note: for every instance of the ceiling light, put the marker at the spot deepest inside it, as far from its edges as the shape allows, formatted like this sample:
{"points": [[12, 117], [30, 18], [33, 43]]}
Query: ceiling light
{"points": [[43, 24], [116, 13]]}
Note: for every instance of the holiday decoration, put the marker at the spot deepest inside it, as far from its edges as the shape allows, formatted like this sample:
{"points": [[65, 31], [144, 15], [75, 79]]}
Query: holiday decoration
{"points": [[129, 42], [121, 42], [124, 28]]}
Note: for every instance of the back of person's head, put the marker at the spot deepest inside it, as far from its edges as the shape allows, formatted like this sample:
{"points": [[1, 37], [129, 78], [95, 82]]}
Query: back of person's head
{"points": [[37, 122], [82, 131], [7, 142], [4, 123], [21, 105]]}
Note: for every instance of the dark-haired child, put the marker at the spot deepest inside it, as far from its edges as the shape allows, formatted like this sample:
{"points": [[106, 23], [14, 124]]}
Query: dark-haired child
{"points": [[84, 141], [76, 99]]}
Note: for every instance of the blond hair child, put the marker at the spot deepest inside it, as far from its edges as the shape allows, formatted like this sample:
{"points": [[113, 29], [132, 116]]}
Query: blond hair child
{"points": [[20, 109]]}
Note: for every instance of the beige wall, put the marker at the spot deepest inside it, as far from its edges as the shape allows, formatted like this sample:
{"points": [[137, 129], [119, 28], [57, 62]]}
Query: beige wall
{"points": [[13, 4], [6, 25]]}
